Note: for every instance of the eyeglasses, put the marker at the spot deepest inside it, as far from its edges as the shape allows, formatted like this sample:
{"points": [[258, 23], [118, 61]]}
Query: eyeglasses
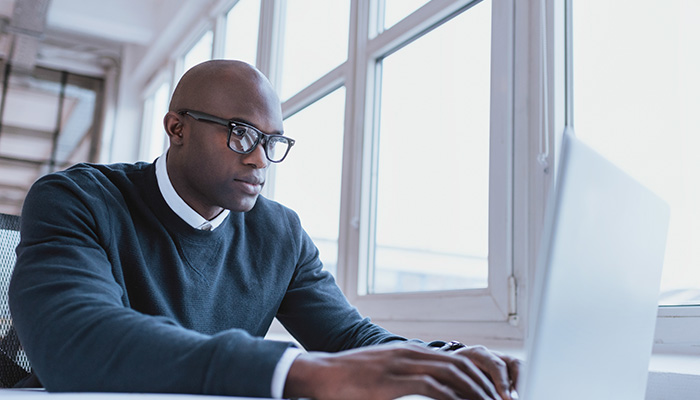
{"points": [[242, 137]]}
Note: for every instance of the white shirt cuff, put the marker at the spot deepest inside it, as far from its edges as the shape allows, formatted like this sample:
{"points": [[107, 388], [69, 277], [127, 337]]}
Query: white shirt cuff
{"points": [[279, 377]]}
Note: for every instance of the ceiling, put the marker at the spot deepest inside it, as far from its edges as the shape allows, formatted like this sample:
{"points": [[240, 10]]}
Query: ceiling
{"points": [[80, 36], [81, 33], [120, 21]]}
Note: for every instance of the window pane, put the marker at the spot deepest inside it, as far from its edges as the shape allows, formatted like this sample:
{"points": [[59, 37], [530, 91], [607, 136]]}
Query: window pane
{"points": [[200, 52], [636, 95], [396, 10], [308, 180], [155, 108], [315, 41], [242, 31], [433, 160]]}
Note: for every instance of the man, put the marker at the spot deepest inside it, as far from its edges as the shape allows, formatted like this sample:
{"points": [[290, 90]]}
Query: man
{"points": [[164, 277]]}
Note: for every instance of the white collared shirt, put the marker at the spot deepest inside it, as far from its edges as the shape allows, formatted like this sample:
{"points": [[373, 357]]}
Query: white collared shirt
{"points": [[175, 202], [192, 217]]}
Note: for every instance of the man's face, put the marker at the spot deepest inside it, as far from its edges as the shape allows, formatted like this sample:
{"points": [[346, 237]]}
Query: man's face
{"points": [[214, 175]]}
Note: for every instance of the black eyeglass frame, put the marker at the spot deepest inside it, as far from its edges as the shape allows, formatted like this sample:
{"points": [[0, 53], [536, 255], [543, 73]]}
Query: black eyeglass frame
{"points": [[233, 123]]}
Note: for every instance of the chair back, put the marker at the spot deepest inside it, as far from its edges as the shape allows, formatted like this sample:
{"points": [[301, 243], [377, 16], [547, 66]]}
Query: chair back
{"points": [[14, 364]]}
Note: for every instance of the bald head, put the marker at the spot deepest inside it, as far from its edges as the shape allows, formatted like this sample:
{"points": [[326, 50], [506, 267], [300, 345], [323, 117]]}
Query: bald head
{"points": [[212, 83]]}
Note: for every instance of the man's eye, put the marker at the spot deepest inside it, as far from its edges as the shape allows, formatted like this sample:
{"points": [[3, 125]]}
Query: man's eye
{"points": [[240, 131]]}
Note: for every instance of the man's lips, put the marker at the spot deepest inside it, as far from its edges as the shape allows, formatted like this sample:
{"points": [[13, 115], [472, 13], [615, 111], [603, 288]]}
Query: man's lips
{"points": [[250, 185]]}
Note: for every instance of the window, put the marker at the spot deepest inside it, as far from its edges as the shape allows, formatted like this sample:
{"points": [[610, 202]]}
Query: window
{"points": [[242, 23], [315, 40], [633, 91], [408, 202], [396, 10], [154, 138], [308, 181], [157, 97], [636, 91], [432, 169], [200, 52], [407, 65]]}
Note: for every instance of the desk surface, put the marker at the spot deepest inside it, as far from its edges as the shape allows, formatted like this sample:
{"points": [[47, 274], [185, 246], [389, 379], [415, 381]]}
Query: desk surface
{"points": [[31, 394], [25, 394], [39, 394]]}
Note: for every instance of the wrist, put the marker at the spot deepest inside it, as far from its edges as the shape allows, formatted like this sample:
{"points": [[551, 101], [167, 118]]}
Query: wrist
{"points": [[301, 376]]}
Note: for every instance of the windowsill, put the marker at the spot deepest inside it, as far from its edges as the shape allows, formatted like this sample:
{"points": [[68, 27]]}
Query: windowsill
{"points": [[675, 363], [673, 376]]}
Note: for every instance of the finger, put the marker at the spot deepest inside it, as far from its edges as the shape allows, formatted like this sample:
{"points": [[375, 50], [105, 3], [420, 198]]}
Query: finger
{"points": [[514, 367], [477, 376], [458, 378], [493, 366], [425, 385], [464, 364]]}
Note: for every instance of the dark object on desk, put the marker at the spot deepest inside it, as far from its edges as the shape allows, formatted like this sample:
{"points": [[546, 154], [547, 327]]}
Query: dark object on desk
{"points": [[440, 345], [14, 364]]}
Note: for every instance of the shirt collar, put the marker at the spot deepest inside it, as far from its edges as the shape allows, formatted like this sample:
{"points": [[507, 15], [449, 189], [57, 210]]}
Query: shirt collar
{"points": [[179, 207]]}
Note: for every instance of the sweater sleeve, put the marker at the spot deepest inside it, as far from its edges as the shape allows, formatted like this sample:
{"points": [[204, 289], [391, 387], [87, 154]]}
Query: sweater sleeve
{"points": [[71, 318], [317, 313]]}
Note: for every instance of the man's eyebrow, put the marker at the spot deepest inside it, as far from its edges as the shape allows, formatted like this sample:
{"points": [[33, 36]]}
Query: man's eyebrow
{"points": [[253, 125]]}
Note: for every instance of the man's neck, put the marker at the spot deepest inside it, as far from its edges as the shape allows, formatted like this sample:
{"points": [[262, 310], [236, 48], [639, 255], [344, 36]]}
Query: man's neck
{"points": [[194, 215]]}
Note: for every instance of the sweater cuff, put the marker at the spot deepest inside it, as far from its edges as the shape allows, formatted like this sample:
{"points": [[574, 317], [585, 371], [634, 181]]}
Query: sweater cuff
{"points": [[279, 377]]}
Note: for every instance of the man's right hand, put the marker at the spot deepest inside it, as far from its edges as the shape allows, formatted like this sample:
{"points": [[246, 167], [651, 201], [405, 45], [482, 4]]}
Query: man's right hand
{"points": [[387, 372]]}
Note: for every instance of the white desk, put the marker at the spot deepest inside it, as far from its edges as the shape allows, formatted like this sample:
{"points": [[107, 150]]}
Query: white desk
{"points": [[29, 394]]}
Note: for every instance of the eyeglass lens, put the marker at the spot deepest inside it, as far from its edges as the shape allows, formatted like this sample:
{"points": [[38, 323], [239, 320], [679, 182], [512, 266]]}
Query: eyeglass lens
{"points": [[243, 139], [276, 148]]}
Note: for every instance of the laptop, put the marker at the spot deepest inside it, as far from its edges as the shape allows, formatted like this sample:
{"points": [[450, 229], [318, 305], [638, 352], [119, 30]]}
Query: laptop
{"points": [[597, 282]]}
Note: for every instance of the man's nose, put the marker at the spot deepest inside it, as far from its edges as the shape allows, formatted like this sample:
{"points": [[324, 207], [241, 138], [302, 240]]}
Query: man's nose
{"points": [[257, 157]]}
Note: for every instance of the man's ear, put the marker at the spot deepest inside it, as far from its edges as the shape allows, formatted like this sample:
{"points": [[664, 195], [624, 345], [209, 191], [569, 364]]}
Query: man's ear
{"points": [[172, 123]]}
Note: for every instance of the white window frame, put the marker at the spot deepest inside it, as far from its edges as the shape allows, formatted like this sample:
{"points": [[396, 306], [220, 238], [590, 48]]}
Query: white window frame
{"points": [[493, 307]]}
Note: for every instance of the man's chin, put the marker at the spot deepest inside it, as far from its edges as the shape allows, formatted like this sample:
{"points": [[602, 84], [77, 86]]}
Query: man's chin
{"points": [[244, 205]]}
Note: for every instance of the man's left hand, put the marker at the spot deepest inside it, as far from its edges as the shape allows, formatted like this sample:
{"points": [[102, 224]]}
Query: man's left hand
{"points": [[503, 370]]}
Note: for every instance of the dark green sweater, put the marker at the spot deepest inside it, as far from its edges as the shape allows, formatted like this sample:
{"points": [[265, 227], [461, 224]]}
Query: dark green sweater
{"points": [[114, 292]]}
